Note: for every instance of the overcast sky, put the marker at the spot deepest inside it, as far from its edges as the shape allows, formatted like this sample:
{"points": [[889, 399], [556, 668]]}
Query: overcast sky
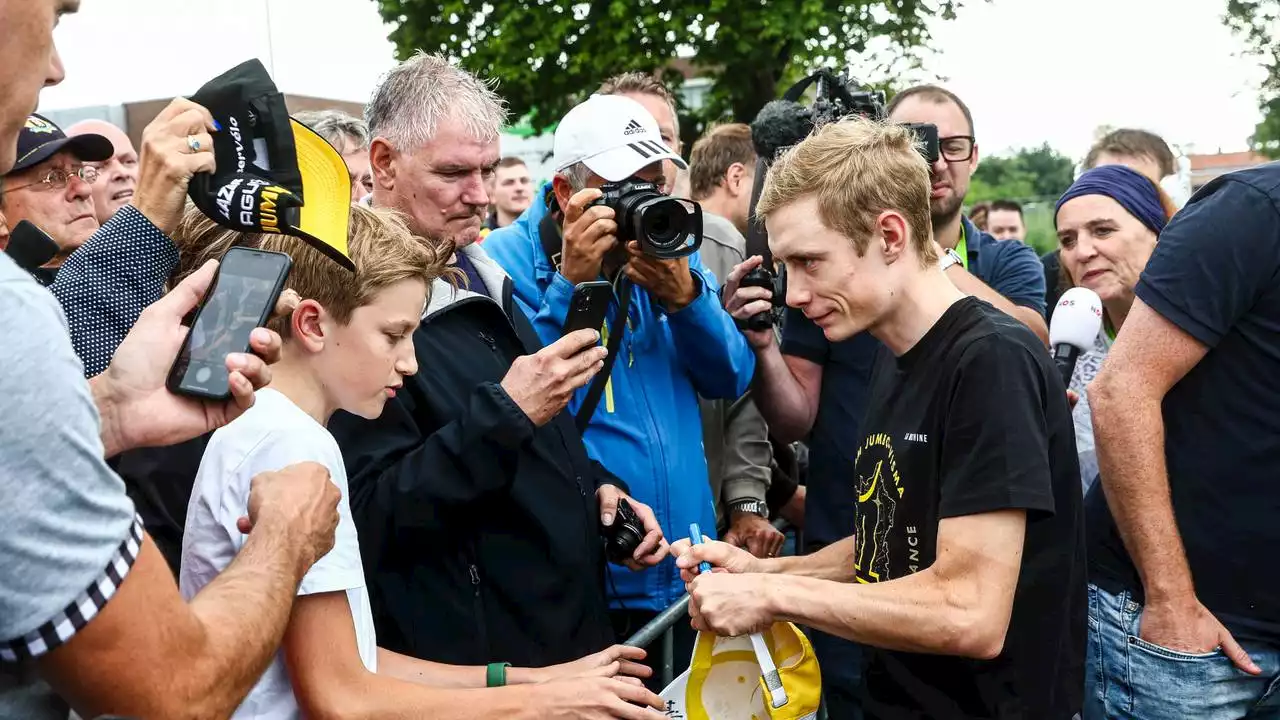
{"points": [[1031, 70]]}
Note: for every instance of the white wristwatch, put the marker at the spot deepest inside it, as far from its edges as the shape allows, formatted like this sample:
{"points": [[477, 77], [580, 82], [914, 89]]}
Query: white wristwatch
{"points": [[950, 257]]}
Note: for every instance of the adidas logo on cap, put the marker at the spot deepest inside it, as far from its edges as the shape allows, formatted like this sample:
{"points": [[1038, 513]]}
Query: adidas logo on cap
{"points": [[633, 127]]}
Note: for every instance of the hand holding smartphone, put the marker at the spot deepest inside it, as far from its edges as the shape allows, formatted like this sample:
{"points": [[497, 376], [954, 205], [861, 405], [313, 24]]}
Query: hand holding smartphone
{"points": [[244, 293]]}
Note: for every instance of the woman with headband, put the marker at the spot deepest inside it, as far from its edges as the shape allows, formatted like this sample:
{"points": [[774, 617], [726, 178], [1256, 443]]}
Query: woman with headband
{"points": [[1108, 222]]}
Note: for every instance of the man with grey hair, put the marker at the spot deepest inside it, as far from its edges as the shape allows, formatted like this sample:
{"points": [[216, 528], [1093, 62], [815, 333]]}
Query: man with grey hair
{"points": [[678, 343], [477, 504], [350, 137]]}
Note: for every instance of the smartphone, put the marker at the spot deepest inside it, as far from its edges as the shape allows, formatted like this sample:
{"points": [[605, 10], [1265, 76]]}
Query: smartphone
{"points": [[29, 246], [244, 293], [588, 306]]}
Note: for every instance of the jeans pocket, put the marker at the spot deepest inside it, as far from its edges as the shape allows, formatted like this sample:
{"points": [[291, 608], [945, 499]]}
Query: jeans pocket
{"points": [[1166, 653]]}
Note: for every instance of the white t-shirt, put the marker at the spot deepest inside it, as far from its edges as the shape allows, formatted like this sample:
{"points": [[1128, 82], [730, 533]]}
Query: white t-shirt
{"points": [[274, 433]]}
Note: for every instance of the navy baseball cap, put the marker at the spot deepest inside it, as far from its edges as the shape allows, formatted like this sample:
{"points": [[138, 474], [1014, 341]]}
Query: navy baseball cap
{"points": [[40, 139]]}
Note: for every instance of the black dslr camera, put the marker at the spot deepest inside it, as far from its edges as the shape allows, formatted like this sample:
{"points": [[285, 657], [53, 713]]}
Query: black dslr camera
{"points": [[625, 534], [665, 227]]}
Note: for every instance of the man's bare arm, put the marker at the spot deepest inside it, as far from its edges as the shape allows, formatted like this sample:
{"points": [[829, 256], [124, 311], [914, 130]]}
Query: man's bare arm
{"points": [[786, 391], [833, 562], [960, 605], [149, 654], [1125, 399], [968, 283]]}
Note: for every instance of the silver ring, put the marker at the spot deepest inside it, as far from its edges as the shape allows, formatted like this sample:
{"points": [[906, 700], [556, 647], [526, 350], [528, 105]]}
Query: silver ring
{"points": [[193, 143]]}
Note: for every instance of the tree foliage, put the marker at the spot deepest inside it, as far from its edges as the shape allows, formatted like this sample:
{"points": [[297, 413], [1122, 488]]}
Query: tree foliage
{"points": [[1256, 22], [549, 54], [1029, 173]]}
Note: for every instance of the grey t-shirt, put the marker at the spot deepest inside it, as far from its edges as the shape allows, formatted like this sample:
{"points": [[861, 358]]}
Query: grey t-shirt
{"points": [[69, 535]]}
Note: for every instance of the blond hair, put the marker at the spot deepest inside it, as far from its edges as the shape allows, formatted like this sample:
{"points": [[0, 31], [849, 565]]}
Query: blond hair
{"points": [[379, 242], [856, 169]]}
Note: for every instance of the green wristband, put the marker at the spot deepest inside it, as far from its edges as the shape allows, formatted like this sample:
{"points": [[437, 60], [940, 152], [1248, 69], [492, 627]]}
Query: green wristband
{"points": [[496, 674]]}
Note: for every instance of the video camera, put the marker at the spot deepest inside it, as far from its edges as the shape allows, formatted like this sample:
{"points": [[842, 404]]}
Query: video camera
{"points": [[665, 227], [783, 123]]}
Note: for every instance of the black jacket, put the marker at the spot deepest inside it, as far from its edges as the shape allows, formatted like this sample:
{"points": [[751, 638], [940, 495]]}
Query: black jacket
{"points": [[479, 532]]}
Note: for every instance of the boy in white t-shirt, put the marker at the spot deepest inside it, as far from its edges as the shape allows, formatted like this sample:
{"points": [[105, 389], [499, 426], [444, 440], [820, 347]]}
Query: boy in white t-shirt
{"points": [[348, 346]]}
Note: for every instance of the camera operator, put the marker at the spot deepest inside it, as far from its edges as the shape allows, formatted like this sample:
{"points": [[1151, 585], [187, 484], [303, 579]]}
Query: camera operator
{"points": [[964, 578], [817, 388], [85, 600], [477, 506], [739, 455], [678, 343]]}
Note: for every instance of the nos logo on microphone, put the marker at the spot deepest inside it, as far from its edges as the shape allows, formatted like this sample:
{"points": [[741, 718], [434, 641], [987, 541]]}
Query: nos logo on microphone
{"points": [[1071, 302]]}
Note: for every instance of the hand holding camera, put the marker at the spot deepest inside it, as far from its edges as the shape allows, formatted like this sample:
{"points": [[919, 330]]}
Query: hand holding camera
{"points": [[745, 301], [632, 537], [670, 281], [590, 231]]}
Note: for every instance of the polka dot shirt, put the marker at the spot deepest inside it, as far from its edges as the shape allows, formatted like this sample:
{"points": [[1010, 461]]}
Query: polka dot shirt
{"points": [[104, 286]]}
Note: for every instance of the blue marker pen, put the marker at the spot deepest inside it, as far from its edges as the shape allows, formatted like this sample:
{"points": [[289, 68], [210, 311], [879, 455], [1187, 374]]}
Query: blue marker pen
{"points": [[695, 537]]}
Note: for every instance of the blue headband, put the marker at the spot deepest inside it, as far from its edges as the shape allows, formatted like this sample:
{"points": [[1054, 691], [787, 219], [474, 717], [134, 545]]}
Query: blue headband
{"points": [[1133, 190]]}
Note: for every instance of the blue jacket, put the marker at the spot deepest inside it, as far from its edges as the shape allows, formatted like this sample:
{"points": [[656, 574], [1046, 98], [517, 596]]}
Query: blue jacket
{"points": [[647, 428]]}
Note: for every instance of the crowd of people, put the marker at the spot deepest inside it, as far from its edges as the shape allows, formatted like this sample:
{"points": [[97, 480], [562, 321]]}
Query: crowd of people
{"points": [[400, 510]]}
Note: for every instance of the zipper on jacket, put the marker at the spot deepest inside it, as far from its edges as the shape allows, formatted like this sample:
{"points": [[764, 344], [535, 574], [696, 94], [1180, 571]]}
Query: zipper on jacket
{"points": [[475, 578]]}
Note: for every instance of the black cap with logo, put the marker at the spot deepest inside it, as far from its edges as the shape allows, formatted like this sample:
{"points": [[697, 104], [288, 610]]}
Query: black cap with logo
{"points": [[274, 175], [40, 139]]}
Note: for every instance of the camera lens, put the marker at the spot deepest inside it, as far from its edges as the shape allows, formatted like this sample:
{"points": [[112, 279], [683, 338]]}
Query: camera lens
{"points": [[663, 224]]}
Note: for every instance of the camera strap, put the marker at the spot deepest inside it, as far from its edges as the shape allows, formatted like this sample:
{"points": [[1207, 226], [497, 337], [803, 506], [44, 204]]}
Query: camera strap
{"points": [[551, 240], [614, 347]]}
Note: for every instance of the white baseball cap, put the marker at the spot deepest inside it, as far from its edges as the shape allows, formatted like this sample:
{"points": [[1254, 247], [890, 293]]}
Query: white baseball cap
{"points": [[612, 135]]}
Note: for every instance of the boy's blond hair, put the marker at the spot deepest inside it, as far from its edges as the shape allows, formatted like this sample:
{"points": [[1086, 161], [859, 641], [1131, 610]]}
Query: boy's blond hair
{"points": [[856, 169], [379, 241]]}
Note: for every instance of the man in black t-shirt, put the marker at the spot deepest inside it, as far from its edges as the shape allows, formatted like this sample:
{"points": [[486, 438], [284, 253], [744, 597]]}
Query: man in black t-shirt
{"points": [[964, 577], [1184, 588], [819, 393]]}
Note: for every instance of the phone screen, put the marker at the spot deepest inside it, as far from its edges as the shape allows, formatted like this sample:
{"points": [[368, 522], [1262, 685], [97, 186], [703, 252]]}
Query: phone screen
{"points": [[245, 291]]}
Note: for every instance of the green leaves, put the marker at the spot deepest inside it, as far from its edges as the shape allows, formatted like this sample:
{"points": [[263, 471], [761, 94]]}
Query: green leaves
{"points": [[1256, 21], [1029, 173], [550, 54]]}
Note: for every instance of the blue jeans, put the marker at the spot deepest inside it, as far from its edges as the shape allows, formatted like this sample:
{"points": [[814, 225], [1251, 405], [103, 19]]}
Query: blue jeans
{"points": [[1127, 677]]}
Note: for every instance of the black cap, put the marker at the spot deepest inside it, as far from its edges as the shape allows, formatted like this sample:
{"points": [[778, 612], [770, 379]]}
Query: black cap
{"points": [[40, 139], [273, 175]]}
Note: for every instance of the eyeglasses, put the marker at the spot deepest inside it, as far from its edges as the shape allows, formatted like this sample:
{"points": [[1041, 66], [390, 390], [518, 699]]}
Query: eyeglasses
{"points": [[58, 178], [956, 148]]}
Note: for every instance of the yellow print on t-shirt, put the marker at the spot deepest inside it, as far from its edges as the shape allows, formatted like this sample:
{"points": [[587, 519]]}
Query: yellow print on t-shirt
{"points": [[879, 491]]}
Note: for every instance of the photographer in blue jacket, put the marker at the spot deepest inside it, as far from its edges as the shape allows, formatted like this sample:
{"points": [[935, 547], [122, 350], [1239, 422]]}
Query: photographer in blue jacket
{"points": [[678, 342]]}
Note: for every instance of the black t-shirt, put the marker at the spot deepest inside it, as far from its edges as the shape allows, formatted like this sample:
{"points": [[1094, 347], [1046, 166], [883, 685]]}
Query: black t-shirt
{"points": [[974, 419], [1214, 274], [846, 379]]}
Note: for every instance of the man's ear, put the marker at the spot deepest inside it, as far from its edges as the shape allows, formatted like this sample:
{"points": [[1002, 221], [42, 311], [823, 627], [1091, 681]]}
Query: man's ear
{"points": [[307, 325], [382, 163], [733, 179], [894, 235], [562, 190]]}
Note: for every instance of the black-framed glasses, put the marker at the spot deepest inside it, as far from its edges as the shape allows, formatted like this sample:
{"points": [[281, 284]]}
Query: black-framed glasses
{"points": [[956, 148], [58, 178]]}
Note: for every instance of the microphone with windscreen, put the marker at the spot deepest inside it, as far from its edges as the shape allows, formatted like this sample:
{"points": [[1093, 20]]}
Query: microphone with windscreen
{"points": [[1075, 325]]}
